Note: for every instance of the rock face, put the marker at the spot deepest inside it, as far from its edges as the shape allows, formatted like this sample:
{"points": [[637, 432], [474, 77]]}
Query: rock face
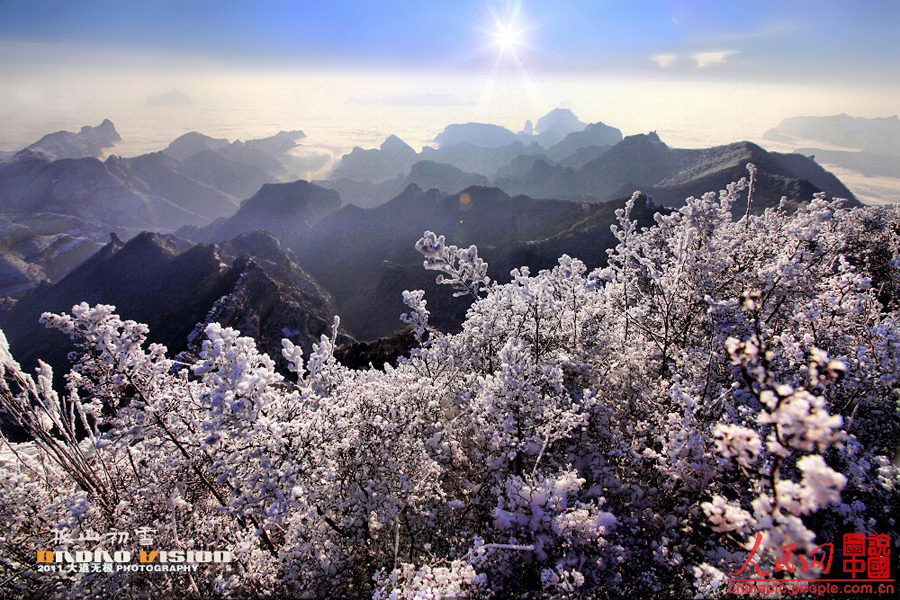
{"points": [[250, 283], [42, 248], [85, 188], [287, 210], [89, 142], [273, 298]]}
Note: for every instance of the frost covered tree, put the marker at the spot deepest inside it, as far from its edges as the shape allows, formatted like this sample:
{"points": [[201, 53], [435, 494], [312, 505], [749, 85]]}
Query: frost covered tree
{"points": [[720, 386]]}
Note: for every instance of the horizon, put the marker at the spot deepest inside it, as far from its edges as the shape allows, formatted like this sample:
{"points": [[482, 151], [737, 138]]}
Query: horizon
{"points": [[350, 74]]}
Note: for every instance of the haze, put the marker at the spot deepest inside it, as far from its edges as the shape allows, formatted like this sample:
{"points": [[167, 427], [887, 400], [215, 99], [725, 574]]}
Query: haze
{"points": [[351, 73]]}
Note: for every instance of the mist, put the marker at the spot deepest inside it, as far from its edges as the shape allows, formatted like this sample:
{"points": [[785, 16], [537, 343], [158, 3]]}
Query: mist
{"points": [[340, 109]]}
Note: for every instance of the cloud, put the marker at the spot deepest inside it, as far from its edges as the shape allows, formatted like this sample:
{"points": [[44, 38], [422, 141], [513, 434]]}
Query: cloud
{"points": [[707, 59], [772, 29], [664, 60], [701, 59]]}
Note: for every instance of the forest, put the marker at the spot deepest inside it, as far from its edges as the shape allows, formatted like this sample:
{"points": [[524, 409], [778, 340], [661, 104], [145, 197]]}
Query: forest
{"points": [[724, 389]]}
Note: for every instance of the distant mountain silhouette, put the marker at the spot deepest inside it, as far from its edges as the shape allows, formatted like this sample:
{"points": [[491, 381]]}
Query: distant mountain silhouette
{"points": [[483, 135], [542, 180], [427, 174], [878, 136], [582, 156], [90, 142], [363, 193], [267, 155], [553, 127], [477, 159], [870, 147], [371, 177], [521, 166], [170, 98], [670, 175], [594, 135], [394, 158], [195, 180], [193, 143], [276, 145], [162, 176], [234, 178], [363, 179]]}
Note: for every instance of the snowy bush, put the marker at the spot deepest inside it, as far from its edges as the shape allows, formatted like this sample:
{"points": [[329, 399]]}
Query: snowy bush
{"points": [[721, 385]]}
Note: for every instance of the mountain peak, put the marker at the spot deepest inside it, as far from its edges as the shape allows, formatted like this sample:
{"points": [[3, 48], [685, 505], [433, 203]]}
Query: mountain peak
{"points": [[642, 140], [192, 143], [483, 135], [106, 127], [395, 145], [89, 142], [561, 120], [279, 198]]}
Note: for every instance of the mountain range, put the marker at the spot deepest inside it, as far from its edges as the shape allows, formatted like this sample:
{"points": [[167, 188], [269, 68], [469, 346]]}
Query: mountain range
{"points": [[591, 163], [282, 262], [70, 198], [88, 142], [250, 283]]}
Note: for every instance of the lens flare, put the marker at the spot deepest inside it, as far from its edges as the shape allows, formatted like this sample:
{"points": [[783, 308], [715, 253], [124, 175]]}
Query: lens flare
{"points": [[508, 37]]}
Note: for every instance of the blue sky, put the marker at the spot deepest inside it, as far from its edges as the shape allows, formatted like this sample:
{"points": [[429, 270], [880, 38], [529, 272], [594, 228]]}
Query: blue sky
{"points": [[827, 40]]}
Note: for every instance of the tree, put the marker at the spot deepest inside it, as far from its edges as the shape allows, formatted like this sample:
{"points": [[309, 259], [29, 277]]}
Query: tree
{"points": [[721, 386]]}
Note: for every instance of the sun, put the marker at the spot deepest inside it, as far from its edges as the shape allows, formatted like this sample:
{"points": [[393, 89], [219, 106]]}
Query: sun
{"points": [[507, 36]]}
